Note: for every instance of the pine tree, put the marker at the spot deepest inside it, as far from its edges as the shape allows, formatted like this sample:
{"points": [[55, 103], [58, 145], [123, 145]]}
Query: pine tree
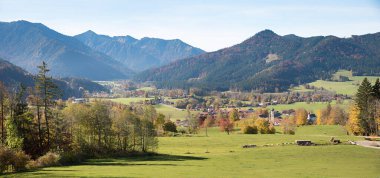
{"points": [[376, 89], [48, 91], [14, 124], [363, 96], [365, 102], [3, 98]]}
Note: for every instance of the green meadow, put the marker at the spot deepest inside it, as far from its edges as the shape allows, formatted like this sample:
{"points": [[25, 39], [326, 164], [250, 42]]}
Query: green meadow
{"points": [[312, 106], [346, 88], [222, 155], [168, 111]]}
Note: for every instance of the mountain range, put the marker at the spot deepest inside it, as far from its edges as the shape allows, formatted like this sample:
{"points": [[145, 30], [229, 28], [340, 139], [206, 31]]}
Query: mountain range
{"points": [[140, 54], [88, 55], [264, 62], [270, 62], [27, 44]]}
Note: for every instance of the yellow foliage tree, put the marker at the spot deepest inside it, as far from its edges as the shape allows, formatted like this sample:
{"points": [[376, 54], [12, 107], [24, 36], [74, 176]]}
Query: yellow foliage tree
{"points": [[353, 124], [301, 116], [234, 115], [336, 116], [319, 114]]}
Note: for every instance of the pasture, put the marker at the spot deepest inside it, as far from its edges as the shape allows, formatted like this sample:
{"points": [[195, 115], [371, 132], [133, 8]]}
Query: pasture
{"points": [[346, 88], [221, 155], [169, 111], [312, 106]]}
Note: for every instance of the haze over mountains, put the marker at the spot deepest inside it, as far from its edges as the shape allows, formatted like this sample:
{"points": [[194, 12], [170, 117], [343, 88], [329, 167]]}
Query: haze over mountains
{"points": [[264, 62], [139, 54], [269, 62], [27, 44], [11, 76]]}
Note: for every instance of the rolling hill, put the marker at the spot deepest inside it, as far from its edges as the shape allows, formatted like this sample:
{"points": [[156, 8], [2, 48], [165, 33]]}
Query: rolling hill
{"points": [[12, 76], [27, 44], [140, 54], [270, 62]]}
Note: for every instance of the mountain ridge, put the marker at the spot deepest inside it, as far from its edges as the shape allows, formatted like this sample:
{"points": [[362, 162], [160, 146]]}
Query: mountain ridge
{"points": [[270, 62], [139, 54], [27, 44]]}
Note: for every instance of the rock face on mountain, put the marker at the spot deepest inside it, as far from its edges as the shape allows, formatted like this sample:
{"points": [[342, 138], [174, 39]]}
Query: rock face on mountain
{"points": [[140, 54], [270, 62], [12, 76], [27, 44]]}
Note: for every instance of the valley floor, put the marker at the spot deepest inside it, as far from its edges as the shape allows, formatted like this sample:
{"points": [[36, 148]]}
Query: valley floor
{"points": [[222, 155]]}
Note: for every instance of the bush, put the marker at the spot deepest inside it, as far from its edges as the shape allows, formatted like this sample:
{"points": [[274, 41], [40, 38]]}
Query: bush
{"points": [[71, 157], [49, 159], [262, 126], [17, 159], [6, 156], [182, 130], [271, 130], [250, 130], [288, 127], [20, 160], [169, 127]]}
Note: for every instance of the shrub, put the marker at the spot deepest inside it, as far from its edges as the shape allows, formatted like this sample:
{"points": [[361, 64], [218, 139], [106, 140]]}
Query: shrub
{"points": [[71, 157], [6, 156], [271, 129], [169, 127], [49, 159], [250, 130], [288, 126], [182, 130], [262, 126], [17, 159], [20, 160]]}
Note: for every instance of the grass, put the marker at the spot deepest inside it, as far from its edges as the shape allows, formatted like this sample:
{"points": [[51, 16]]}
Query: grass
{"points": [[146, 89], [172, 112], [129, 100], [187, 157], [309, 107], [346, 88], [167, 110]]}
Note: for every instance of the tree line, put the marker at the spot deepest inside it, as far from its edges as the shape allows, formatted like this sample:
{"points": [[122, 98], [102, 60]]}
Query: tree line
{"points": [[34, 121], [364, 114]]}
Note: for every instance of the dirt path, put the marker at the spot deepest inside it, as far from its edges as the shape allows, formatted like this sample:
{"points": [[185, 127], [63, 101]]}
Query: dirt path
{"points": [[369, 144]]}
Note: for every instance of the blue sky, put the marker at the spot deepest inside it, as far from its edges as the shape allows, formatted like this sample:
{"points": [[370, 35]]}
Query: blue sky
{"points": [[208, 24]]}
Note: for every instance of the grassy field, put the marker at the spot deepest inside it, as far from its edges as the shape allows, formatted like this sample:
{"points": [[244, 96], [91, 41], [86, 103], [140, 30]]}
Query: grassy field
{"points": [[173, 112], [146, 89], [309, 107], [168, 111], [129, 100], [221, 155], [348, 88]]}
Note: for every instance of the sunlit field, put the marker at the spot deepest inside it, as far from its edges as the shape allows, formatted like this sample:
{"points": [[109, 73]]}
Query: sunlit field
{"points": [[222, 155]]}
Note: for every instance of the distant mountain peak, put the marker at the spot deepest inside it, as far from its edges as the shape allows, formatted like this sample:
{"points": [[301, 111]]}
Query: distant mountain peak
{"points": [[266, 33], [90, 32]]}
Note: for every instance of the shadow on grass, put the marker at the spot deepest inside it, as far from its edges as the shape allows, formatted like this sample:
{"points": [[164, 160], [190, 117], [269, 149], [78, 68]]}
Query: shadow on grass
{"points": [[136, 160], [131, 160]]}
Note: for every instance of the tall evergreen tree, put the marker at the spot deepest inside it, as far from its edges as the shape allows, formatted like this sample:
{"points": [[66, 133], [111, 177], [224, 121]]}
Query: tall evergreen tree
{"points": [[47, 91], [376, 89], [3, 97], [364, 101]]}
